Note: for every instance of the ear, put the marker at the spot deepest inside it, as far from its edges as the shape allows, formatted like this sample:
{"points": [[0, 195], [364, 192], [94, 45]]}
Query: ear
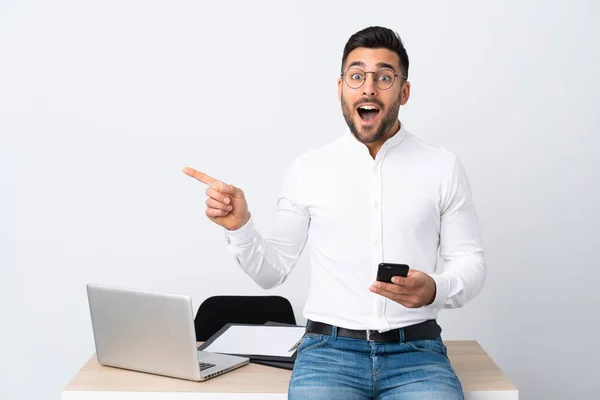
{"points": [[340, 89], [404, 93]]}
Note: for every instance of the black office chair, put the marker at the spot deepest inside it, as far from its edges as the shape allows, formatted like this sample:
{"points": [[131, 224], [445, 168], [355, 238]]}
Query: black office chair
{"points": [[217, 311]]}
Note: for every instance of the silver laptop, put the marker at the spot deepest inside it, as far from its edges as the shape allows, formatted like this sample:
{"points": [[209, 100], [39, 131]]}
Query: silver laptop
{"points": [[151, 332]]}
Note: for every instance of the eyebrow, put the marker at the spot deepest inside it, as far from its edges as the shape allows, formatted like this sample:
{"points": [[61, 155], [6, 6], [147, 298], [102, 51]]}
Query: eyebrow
{"points": [[357, 64], [379, 65], [386, 65]]}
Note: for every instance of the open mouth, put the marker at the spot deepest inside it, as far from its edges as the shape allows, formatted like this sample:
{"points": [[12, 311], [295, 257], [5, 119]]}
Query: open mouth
{"points": [[368, 113]]}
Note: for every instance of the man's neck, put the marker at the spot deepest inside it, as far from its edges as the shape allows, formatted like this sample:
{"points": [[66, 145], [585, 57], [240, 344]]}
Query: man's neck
{"points": [[376, 146]]}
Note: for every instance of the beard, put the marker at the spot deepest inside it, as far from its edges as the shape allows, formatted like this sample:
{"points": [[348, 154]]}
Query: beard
{"points": [[367, 135]]}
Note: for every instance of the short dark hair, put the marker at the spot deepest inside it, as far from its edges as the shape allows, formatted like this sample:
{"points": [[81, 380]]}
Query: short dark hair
{"points": [[376, 37]]}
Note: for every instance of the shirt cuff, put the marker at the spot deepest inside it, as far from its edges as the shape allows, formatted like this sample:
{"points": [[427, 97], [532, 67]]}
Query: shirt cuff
{"points": [[442, 287], [242, 235]]}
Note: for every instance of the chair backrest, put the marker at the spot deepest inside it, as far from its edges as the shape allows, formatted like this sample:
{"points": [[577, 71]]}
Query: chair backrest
{"points": [[217, 311]]}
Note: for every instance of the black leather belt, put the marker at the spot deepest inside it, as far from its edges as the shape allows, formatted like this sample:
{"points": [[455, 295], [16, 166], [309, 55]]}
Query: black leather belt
{"points": [[425, 330]]}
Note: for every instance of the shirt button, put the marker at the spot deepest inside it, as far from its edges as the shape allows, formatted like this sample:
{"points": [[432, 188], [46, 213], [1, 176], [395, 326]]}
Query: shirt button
{"points": [[375, 204], [375, 241]]}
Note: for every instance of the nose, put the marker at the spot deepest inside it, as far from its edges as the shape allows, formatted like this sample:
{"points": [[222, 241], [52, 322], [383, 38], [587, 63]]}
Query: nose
{"points": [[369, 88]]}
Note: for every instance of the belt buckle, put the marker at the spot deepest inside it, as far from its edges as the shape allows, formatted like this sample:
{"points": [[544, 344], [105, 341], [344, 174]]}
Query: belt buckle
{"points": [[369, 335]]}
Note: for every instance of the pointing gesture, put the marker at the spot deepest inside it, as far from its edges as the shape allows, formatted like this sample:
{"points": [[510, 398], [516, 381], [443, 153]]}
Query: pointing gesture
{"points": [[226, 204]]}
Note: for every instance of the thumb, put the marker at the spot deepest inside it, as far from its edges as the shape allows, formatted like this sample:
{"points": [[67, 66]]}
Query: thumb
{"points": [[222, 187], [232, 191]]}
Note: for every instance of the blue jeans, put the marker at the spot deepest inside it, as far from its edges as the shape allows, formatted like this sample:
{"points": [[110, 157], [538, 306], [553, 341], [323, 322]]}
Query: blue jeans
{"points": [[334, 367]]}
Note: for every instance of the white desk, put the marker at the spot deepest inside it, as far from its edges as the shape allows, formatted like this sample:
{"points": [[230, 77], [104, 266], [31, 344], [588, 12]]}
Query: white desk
{"points": [[480, 377]]}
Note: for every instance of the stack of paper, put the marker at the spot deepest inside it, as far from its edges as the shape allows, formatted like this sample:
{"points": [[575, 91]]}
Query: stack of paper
{"points": [[257, 342]]}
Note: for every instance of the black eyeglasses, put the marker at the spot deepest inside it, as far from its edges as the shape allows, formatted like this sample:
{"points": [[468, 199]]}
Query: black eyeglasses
{"points": [[384, 79]]}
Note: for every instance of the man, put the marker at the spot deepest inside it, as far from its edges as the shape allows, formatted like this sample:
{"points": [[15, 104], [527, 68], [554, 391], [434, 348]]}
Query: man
{"points": [[376, 194]]}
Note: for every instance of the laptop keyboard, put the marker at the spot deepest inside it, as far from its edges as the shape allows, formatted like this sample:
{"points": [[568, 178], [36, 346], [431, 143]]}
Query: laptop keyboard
{"points": [[204, 366]]}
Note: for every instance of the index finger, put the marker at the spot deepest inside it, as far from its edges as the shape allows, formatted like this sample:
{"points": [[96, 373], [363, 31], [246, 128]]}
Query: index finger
{"points": [[388, 287], [201, 176], [212, 182]]}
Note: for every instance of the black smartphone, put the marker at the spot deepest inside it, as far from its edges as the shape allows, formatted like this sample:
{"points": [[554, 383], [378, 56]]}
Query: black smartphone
{"points": [[387, 270]]}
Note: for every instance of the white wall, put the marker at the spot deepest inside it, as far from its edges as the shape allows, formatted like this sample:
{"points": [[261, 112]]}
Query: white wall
{"points": [[103, 103]]}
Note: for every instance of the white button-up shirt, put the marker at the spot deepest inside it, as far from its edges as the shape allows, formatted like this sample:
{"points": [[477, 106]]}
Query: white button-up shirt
{"points": [[354, 212]]}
